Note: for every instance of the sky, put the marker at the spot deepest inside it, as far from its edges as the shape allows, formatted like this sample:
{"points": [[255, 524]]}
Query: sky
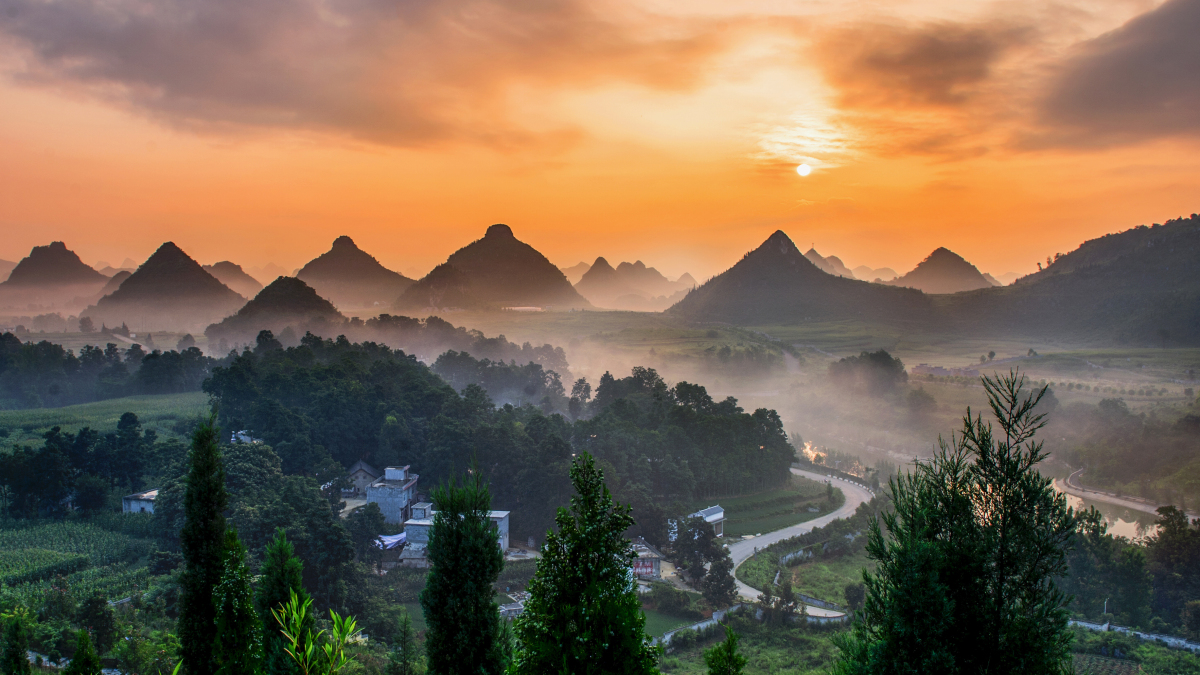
{"points": [[258, 131]]}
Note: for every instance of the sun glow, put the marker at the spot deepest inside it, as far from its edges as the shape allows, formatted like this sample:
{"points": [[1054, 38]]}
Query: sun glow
{"points": [[804, 169]]}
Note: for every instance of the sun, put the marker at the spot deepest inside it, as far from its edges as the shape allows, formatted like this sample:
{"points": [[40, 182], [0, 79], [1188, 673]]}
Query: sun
{"points": [[804, 169]]}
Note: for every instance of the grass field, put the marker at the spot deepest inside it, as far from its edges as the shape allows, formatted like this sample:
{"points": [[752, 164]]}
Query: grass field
{"points": [[658, 623], [790, 650], [774, 509], [155, 412], [827, 579]]}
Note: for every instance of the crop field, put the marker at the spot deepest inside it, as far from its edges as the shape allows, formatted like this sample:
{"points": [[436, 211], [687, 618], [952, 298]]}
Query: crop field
{"points": [[774, 509], [101, 546], [34, 564], [160, 413]]}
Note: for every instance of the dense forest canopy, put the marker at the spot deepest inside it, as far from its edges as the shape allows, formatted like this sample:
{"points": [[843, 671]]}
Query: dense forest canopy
{"points": [[336, 401]]}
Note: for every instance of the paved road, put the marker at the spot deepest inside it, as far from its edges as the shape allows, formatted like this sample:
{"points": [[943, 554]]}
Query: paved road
{"points": [[742, 550], [1072, 486]]}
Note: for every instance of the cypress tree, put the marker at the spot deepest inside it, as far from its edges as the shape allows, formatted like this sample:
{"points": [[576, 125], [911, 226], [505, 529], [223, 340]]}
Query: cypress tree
{"points": [[583, 614], [403, 659], [202, 540], [15, 658], [238, 647], [281, 575], [459, 601], [85, 661], [724, 659], [718, 586]]}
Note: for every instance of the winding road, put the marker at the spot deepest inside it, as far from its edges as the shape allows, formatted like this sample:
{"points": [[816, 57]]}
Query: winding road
{"points": [[1072, 486], [741, 551]]}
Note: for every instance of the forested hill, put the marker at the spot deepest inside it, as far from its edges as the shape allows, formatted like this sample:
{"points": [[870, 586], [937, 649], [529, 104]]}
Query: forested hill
{"points": [[1140, 286], [334, 401], [350, 277]]}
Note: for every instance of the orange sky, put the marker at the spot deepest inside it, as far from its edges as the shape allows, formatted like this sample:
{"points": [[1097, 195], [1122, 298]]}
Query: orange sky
{"points": [[1006, 131]]}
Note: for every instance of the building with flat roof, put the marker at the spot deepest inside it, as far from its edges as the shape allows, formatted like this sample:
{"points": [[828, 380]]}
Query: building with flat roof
{"points": [[141, 502], [394, 493]]}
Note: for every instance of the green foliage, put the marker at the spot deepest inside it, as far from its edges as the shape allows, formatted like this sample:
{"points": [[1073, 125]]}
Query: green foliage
{"points": [[1173, 559], [238, 641], [203, 543], [322, 653], [1107, 571], [974, 544], [405, 656], [21, 565], [97, 617], [718, 586], [459, 602], [724, 659], [365, 524], [84, 661], [13, 658], [583, 614], [280, 578], [875, 373]]}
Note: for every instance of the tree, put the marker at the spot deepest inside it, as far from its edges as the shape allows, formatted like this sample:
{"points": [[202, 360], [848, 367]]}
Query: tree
{"points": [[855, 595], [723, 658], [280, 578], [696, 545], [238, 641], [965, 581], [459, 601], [718, 587], [97, 617], [991, 355], [84, 661], [583, 614], [365, 524], [86, 325], [15, 658], [404, 659], [323, 653], [202, 540]]}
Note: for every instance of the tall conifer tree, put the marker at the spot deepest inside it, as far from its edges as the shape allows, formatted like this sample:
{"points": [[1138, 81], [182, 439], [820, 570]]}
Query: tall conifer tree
{"points": [[203, 542], [966, 575], [583, 615], [461, 613], [15, 657], [84, 661], [280, 576], [238, 644]]}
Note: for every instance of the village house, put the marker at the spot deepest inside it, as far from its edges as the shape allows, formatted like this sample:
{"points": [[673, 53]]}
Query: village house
{"points": [[362, 475], [394, 493], [713, 515], [648, 564], [141, 502], [416, 531]]}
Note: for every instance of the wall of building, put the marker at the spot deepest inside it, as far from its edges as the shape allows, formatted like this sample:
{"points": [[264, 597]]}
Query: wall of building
{"points": [[391, 500]]}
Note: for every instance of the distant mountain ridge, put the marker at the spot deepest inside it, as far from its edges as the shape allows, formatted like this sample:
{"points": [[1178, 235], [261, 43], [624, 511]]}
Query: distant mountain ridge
{"points": [[6, 268], [168, 291], [944, 271], [777, 283], [630, 286], [494, 272], [868, 274], [350, 277], [235, 278], [51, 276], [575, 272], [285, 302], [830, 265]]}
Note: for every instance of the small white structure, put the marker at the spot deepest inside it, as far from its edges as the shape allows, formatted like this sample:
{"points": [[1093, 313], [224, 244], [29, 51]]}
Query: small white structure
{"points": [[417, 531], [713, 515], [141, 502], [394, 493], [649, 560]]}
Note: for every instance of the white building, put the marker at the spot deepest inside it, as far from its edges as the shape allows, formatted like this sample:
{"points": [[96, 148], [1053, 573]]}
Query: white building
{"points": [[713, 515], [394, 493], [417, 529], [141, 502]]}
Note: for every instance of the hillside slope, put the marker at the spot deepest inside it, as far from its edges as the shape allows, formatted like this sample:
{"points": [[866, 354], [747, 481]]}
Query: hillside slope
{"points": [[235, 278], [285, 302], [350, 277], [169, 291], [52, 277], [944, 271], [494, 272]]}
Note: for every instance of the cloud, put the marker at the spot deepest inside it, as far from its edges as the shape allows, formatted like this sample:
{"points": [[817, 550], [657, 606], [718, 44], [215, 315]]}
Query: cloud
{"points": [[1138, 82], [897, 66], [398, 72]]}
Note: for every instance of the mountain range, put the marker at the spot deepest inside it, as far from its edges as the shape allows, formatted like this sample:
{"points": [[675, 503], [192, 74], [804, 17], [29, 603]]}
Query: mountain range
{"points": [[6, 268], [1141, 285], [494, 272], [168, 291], [631, 286], [944, 271], [575, 272], [232, 276], [351, 278], [285, 302], [50, 276], [831, 265], [867, 274]]}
